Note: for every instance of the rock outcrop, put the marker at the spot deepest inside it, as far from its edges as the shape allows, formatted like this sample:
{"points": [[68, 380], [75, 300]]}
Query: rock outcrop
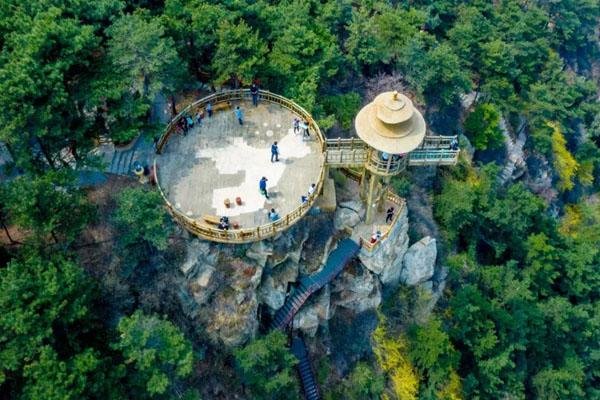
{"points": [[348, 215], [386, 259], [419, 262], [275, 283], [356, 289]]}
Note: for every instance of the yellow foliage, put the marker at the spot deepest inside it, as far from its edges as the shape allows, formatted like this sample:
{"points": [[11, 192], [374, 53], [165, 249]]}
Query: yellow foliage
{"points": [[565, 165], [452, 390], [585, 174], [570, 221], [392, 358]]}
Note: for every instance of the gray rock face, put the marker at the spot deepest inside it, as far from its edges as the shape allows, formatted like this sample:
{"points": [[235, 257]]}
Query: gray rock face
{"points": [[231, 314], [313, 314], [386, 259], [356, 289], [260, 252], [419, 262], [345, 218], [274, 286]]}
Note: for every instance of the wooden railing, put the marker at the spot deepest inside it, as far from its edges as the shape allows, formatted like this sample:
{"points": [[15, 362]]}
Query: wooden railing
{"points": [[400, 204], [244, 235], [240, 94], [392, 166], [390, 196]]}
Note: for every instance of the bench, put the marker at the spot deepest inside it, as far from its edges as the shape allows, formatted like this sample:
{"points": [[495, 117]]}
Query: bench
{"points": [[224, 105], [212, 219]]}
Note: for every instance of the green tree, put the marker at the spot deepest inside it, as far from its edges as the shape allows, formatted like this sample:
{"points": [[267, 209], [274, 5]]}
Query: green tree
{"points": [[140, 52], [47, 205], [142, 219], [266, 368], [240, 52], [156, 350], [435, 71], [85, 375], [363, 383], [47, 50], [42, 299], [483, 127]]}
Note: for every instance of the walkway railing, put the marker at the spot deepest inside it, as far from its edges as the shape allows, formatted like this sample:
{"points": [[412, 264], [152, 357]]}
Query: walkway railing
{"points": [[437, 142], [244, 235], [433, 157], [400, 203], [239, 94]]}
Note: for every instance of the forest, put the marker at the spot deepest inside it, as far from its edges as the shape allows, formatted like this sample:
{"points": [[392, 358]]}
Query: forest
{"points": [[520, 315]]}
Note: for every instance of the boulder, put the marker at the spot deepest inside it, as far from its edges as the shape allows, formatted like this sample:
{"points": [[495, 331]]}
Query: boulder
{"points": [[230, 313], [260, 252], [345, 218], [307, 321], [198, 255], [386, 259], [419, 262], [274, 286], [356, 289], [354, 205], [314, 313]]}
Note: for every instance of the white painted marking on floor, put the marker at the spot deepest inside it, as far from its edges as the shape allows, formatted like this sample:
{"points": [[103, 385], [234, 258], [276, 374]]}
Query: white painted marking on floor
{"points": [[254, 163]]}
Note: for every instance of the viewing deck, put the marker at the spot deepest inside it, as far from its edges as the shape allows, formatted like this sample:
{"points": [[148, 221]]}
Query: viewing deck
{"points": [[221, 159]]}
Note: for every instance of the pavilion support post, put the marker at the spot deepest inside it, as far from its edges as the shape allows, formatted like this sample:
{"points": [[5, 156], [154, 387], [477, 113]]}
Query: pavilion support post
{"points": [[371, 199]]}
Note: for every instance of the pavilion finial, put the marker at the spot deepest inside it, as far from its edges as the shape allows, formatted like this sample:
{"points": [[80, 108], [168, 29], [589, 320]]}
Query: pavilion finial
{"points": [[395, 95]]}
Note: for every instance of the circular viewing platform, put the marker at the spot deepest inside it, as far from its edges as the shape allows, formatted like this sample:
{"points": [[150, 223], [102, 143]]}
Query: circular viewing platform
{"points": [[202, 173]]}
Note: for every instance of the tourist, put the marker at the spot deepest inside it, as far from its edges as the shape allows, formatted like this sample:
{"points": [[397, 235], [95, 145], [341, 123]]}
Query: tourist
{"points": [[384, 156], [390, 215], [303, 199], [304, 127], [273, 216], [199, 116], [254, 93], [224, 223], [262, 186], [375, 237], [209, 109], [274, 152], [189, 121], [311, 189], [239, 115], [454, 144], [296, 125]]}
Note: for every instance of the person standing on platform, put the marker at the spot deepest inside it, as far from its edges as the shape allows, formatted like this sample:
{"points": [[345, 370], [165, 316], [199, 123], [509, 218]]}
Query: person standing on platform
{"points": [[254, 93], [311, 189], [390, 215], [273, 216], [274, 152], [239, 115], [296, 125], [209, 109], [262, 186]]}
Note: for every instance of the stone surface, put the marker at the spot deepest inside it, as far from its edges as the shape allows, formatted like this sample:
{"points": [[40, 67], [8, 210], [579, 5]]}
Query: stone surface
{"points": [[314, 313], [274, 285], [260, 252], [345, 218], [419, 262], [386, 259], [356, 289], [223, 160]]}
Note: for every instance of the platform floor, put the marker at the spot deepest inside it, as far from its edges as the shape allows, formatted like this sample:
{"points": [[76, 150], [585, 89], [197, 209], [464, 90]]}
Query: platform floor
{"points": [[222, 159]]}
